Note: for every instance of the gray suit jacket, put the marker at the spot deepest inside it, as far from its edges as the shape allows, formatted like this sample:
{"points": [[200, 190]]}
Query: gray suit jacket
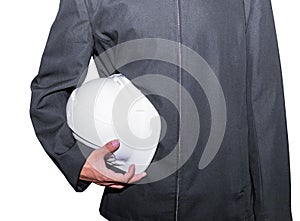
{"points": [[248, 177]]}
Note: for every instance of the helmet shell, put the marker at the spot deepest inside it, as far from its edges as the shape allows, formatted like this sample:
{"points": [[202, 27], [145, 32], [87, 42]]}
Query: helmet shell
{"points": [[110, 108]]}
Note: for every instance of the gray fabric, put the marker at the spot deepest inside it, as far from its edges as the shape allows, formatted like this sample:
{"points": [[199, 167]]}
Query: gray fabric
{"points": [[249, 179]]}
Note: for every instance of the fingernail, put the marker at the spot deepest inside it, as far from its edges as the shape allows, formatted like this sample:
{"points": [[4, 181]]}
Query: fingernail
{"points": [[115, 143], [144, 174]]}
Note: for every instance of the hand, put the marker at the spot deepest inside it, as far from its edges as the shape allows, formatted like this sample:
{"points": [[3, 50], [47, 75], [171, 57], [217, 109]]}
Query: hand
{"points": [[95, 169]]}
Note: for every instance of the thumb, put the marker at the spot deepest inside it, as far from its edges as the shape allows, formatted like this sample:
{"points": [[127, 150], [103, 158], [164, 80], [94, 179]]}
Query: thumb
{"points": [[111, 146]]}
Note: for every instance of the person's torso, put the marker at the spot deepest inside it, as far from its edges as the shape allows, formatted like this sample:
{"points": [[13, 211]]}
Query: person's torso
{"points": [[208, 92]]}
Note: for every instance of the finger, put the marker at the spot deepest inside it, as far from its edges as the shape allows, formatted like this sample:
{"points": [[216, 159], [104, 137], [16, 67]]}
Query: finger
{"points": [[117, 186], [137, 177], [104, 183], [111, 147], [110, 184], [119, 177], [129, 174]]}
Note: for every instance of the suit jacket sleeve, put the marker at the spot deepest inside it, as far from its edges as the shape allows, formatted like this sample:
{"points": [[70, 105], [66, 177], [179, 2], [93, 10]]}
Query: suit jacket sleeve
{"points": [[269, 155], [64, 62]]}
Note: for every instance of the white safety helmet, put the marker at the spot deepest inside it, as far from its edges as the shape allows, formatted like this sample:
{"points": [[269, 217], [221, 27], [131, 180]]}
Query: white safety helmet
{"points": [[110, 108]]}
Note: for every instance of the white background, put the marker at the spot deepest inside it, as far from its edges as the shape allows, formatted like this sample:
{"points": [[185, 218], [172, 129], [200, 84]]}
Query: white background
{"points": [[31, 186]]}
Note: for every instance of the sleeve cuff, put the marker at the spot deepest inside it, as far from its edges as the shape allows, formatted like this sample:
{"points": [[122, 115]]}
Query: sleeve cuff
{"points": [[72, 163]]}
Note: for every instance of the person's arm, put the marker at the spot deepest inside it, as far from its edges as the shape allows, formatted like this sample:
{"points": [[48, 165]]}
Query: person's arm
{"points": [[64, 64], [66, 57], [268, 141]]}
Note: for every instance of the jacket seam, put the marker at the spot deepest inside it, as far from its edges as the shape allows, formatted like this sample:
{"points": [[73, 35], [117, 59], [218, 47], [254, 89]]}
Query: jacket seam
{"points": [[247, 15], [90, 23], [244, 14], [82, 76], [250, 103], [178, 14], [256, 145]]}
